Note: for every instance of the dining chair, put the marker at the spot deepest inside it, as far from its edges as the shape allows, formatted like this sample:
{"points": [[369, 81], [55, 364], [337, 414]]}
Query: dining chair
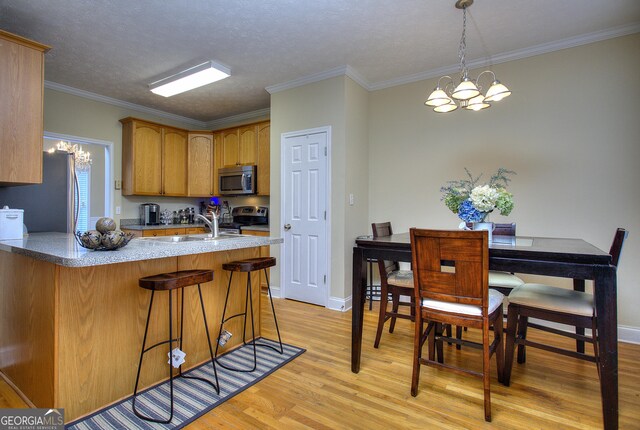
{"points": [[451, 271], [554, 304], [504, 281], [394, 282]]}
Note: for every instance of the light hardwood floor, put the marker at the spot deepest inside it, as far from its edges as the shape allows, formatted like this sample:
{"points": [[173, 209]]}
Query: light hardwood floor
{"points": [[318, 390]]}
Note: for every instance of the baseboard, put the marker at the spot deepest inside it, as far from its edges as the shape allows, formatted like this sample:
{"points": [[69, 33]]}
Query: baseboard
{"points": [[629, 334], [275, 291], [339, 304]]}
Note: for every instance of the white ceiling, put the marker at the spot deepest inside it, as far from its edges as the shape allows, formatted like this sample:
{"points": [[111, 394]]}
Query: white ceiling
{"points": [[115, 48]]}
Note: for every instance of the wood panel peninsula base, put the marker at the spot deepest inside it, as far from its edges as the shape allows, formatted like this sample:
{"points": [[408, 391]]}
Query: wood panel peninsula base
{"points": [[70, 337]]}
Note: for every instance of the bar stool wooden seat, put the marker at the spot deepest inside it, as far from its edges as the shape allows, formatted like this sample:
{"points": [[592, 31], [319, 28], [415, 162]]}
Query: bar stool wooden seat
{"points": [[169, 282], [249, 265]]}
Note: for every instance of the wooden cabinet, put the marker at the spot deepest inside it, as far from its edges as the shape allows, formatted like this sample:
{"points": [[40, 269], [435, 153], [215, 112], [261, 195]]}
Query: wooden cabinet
{"points": [[201, 169], [154, 159], [21, 116], [169, 231], [263, 159], [239, 146], [265, 251], [246, 145]]}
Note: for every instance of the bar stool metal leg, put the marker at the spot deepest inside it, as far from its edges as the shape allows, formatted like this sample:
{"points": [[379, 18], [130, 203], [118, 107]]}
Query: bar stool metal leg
{"points": [[275, 318]]}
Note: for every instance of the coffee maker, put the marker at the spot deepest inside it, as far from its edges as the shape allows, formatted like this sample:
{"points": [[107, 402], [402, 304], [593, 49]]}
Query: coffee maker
{"points": [[149, 214]]}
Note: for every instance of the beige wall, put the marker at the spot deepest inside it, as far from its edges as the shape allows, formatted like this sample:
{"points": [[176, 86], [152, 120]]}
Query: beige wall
{"points": [[342, 104], [72, 115], [570, 130]]}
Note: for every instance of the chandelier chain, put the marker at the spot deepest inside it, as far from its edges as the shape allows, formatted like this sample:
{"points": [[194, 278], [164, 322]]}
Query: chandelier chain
{"points": [[463, 46]]}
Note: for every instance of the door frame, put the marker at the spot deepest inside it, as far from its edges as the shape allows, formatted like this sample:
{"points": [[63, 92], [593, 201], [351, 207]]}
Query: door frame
{"points": [[283, 137]]}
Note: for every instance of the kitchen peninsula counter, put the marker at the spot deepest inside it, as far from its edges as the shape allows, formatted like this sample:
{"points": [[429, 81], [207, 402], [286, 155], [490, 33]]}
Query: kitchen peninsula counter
{"points": [[62, 249], [72, 320]]}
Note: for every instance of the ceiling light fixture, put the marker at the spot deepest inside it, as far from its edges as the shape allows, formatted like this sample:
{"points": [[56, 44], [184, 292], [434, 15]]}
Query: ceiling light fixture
{"points": [[194, 77], [467, 94]]}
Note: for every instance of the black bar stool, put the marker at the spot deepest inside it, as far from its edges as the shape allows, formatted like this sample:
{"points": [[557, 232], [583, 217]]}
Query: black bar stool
{"points": [[169, 282], [249, 265]]}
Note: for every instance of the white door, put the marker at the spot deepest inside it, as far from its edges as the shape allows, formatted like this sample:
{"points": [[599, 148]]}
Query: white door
{"points": [[304, 202]]}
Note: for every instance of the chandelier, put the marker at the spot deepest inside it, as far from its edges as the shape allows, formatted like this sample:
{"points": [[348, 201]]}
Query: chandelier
{"points": [[82, 159], [447, 97]]}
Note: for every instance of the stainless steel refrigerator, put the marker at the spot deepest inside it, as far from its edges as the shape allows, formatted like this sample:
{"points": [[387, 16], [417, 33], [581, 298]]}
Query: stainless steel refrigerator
{"points": [[48, 206]]}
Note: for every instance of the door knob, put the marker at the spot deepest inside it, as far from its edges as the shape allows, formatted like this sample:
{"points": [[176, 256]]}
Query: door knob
{"points": [[287, 227]]}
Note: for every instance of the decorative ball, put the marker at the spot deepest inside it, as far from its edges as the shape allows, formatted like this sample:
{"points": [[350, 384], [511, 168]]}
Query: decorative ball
{"points": [[91, 239], [105, 224], [113, 239]]}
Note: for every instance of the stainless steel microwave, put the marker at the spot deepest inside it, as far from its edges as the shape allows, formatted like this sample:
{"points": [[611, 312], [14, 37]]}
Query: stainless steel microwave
{"points": [[236, 181]]}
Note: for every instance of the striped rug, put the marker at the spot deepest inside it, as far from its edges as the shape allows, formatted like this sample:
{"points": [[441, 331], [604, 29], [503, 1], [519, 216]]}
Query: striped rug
{"points": [[192, 398]]}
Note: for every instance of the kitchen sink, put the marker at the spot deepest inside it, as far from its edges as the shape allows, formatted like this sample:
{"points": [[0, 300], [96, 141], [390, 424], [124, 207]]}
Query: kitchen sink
{"points": [[192, 237]]}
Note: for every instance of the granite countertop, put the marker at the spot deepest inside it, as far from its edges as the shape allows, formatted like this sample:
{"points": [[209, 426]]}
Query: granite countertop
{"points": [[62, 249], [162, 226]]}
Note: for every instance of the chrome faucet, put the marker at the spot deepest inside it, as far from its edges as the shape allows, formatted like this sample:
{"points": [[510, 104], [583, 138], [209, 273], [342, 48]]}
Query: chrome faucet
{"points": [[213, 224]]}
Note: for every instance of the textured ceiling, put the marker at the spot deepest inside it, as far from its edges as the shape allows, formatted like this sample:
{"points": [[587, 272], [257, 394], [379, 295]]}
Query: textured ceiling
{"points": [[114, 48]]}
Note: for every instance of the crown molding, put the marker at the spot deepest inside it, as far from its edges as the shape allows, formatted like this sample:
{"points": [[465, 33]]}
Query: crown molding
{"points": [[222, 122], [519, 54], [321, 76], [120, 103]]}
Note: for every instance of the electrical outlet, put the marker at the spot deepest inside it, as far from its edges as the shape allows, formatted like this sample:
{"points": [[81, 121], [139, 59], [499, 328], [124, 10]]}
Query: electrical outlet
{"points": [[117, 210], [118, 184]]}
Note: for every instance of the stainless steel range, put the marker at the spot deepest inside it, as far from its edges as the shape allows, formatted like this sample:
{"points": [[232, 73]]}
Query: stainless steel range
{"points": [[245, 216]]}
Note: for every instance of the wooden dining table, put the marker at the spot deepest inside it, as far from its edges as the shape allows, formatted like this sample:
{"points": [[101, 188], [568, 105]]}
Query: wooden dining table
{"points": [[567, 258]]}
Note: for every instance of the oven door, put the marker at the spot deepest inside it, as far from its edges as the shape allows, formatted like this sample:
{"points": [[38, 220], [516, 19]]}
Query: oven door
{"points": [[234, 181]]}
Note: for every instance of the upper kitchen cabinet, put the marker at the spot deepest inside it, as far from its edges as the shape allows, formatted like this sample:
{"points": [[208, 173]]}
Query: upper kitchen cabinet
{"points": [[201, 167], [21, 117], [154, 159], [263, 158], [239, 145]]}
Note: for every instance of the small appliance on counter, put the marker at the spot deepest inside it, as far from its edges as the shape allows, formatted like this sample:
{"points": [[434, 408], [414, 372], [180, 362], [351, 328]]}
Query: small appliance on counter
{"points": [[150, 214], [245, 216], [11, 223]]}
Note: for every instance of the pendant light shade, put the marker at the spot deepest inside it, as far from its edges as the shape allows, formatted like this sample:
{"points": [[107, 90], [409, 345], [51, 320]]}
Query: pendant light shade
{"points": [[477, 103], [497, 92], [437, 98], [465, 90], [449, 107]]}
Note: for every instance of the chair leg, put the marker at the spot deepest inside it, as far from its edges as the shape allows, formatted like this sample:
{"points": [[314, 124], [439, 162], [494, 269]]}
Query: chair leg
{"points": [[395, 300], [273, 311], [486, 371], [438, 342], [522, 334], [417, 353], [224, 312], [459, 336], [383, 313], [498, 332], [512, 323]]}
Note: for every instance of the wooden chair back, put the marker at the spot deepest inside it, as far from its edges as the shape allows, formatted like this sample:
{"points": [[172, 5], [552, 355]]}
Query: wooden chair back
{"points": [[616, 246], [466, 256], [382, 229]]}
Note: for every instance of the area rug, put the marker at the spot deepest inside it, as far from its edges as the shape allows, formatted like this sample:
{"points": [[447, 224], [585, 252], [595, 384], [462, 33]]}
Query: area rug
{"points": [[192, 398]]}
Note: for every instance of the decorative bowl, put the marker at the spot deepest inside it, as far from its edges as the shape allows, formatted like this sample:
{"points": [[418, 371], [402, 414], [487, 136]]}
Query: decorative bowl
{"points": [[109, 241]]}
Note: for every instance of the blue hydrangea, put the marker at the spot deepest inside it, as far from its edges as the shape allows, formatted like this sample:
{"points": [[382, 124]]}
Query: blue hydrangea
{"points": [[467, 213]]}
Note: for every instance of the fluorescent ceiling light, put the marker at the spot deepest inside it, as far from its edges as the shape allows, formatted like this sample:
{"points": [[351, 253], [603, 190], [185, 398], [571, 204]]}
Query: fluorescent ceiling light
{"points": [[195, 77]]}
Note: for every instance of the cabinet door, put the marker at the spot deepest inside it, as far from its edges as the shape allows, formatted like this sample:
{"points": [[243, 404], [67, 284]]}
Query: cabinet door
{"points": [[21, 127], [264, 158], [217, 161], [200, 164], [174, 159], [147, 158], [247, 145], [154, 233], [230, 147]]}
